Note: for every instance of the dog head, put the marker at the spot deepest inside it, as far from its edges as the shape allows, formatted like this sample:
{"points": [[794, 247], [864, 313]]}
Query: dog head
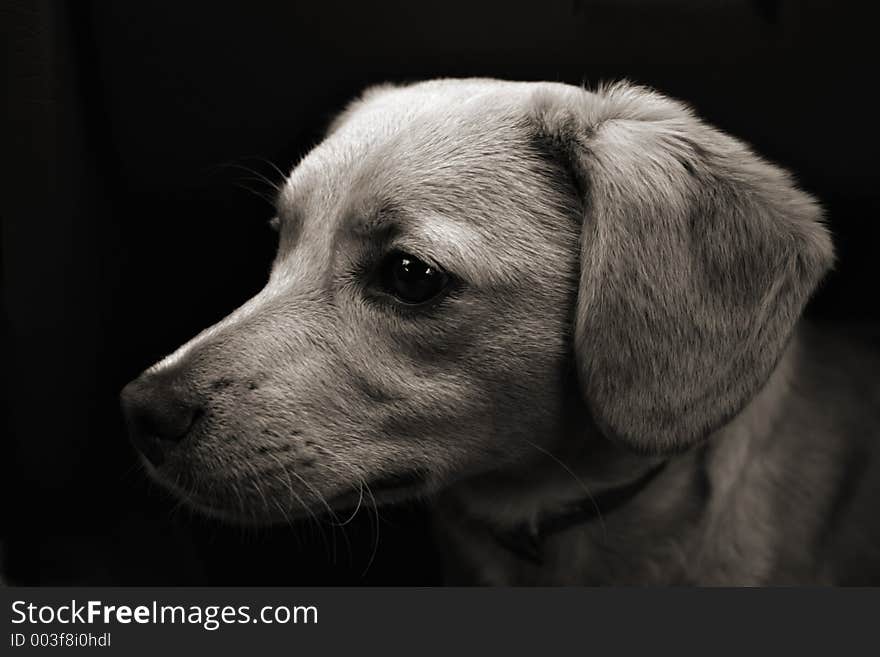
{"points": [[456, 258]]}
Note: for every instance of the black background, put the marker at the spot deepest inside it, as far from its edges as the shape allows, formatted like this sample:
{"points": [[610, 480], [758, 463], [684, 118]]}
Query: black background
{"points": [[134, 143]]}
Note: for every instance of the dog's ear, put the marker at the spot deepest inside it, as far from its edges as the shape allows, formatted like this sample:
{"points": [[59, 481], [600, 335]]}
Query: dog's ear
{"points": [[697, 258]]}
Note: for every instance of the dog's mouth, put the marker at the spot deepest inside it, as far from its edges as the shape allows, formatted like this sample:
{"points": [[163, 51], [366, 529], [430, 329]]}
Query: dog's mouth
{"points": [[382, 489], [386, 488]]}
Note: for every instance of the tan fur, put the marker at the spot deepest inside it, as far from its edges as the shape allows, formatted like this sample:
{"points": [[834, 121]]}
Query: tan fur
{"points": [[630, 283]]}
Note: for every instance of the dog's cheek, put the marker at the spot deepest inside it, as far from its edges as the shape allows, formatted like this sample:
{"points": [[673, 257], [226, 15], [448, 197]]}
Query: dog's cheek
{"points": [[463, 391]]}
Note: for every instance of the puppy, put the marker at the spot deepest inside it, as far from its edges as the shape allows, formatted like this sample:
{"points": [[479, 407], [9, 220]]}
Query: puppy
{"points": [[568, 317]]}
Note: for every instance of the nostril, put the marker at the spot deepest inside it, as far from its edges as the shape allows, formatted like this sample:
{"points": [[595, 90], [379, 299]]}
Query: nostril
{"points": [[157, 415], [170, 422]]}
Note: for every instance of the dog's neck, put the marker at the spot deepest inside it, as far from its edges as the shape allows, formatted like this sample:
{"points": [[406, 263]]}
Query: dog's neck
{"points": [[585, 477]]}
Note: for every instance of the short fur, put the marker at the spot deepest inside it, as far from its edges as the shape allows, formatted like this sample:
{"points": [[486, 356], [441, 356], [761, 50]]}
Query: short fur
{"points": [[630, 284]]}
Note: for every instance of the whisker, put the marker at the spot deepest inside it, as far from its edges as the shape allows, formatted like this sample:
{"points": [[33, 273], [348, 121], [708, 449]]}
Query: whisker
{"points": [[290, 488], [321, 498], [577, 479], [376, 528], [257, 175], [263, 197], [274, 166], [356, 509], [256, 485]]}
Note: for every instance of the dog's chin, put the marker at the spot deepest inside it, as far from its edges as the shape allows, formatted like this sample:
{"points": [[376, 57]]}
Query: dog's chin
{"points": [[210, 508], [379, 491]]}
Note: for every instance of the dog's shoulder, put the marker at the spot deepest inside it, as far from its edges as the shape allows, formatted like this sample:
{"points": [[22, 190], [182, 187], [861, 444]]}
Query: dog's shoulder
{"points": [[819, 456], [794, 477], [843, 362]]}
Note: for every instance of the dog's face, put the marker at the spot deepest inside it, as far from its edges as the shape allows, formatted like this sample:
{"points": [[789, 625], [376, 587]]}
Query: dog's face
{"points": [[415, 324], [435, 290]]}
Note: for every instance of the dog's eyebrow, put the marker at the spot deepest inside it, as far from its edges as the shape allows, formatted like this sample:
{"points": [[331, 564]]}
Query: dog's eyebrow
{"points": [[452, 245]]}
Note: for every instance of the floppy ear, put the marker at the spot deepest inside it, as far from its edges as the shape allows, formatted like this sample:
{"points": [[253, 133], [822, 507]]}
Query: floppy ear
{"points": [[697, 258]]}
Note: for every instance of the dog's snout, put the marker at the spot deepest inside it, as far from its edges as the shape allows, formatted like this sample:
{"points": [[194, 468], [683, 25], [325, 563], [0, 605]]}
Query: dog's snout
{"points": [[158, 414]]}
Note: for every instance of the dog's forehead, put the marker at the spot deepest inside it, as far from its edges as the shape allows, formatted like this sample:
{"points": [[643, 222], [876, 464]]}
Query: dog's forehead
{"points": [[435, 148], [455, 171]]}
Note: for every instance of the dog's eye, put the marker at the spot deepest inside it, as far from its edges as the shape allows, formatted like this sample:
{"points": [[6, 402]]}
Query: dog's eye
{"points": [[412, 280]]}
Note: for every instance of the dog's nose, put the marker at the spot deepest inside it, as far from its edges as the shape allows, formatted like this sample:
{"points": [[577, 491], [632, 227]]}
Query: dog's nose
{"points": [[157, 414]]}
